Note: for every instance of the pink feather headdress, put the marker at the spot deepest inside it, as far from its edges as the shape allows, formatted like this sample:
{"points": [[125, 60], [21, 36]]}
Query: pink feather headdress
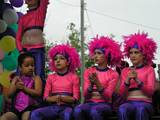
{"points": [[146, 45], [109, 46], [66, 50]]}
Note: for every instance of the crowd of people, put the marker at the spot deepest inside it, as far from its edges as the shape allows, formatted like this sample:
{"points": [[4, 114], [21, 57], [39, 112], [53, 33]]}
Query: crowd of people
{"points": [[110, 85]]}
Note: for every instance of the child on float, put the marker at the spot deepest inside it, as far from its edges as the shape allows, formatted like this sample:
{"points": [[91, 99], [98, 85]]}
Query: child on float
{"points": [[99, 81], [138, 81], [62, 88], [25, 89]]}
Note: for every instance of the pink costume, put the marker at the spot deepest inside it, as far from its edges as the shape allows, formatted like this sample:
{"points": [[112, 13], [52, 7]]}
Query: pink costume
{"points": [[107, 78], [97, 104], [139, 94], [30, 28], [146, 75], [58, 84], [23, 100], [67, 84]]}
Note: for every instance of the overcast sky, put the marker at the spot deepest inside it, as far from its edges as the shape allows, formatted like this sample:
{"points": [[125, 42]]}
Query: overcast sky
{"points": [[104, 17]]}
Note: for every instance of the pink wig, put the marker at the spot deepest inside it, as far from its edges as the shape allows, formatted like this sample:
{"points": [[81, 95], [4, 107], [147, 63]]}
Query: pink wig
{"points": [[146, 45], [66, 50], [110, 48]]}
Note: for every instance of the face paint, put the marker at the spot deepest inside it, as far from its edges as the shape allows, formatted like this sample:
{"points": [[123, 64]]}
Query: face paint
{"points": [[135, 46]]}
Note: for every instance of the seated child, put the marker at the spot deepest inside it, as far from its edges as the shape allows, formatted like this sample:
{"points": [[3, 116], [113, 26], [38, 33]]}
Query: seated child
{"points": [[62, 88], [25, 89]]}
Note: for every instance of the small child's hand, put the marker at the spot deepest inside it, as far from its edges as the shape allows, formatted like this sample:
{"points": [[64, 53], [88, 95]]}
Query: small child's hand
{"points": [[15, 80], [20, 85]]}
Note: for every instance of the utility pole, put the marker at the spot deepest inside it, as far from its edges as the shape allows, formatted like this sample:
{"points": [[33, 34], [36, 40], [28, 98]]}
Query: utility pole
{"points": [[82, 46]]}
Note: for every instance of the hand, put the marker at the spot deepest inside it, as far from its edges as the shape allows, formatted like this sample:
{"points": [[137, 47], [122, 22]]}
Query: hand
{"points": [[138, 81], [93, 78], [127, 81], [20, 85], [15, 80], [66, 99], [58, 99], [132, 75], [53, 99]]}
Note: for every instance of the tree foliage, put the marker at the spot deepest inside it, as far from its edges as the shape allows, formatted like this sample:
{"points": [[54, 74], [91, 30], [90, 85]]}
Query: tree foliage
{"points": [[74, 40]]}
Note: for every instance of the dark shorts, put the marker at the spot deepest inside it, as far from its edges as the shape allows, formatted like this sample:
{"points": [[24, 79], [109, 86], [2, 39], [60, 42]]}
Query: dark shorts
{"points": [[19, 114]]}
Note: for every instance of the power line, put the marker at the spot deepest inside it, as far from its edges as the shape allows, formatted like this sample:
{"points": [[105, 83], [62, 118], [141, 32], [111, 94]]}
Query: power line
{"points": [[123, 20], [112, 17]]}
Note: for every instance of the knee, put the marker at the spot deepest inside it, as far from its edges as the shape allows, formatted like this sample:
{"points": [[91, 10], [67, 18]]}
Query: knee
{"points": [[9, 116], [77, 111], [68, 113], [141, 109], [122, 110], [25, 115], [93, 112], [34, 114]]}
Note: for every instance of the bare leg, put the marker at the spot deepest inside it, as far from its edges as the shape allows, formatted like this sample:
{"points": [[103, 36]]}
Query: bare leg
{"points": [[9, 116], [25, 115]]}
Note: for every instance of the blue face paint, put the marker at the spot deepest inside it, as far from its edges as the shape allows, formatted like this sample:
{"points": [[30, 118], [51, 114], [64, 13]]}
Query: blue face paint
{"points": [[135, 46], [102, 50]]}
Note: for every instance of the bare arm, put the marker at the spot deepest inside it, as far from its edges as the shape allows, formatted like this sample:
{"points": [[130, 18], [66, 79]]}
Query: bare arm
{"points": [[37, 90], [53, 99], [13, 88], [67, 99]]}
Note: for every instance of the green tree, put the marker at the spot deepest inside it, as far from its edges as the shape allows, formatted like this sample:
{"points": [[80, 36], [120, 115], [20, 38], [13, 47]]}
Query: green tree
{"points": [[74, 36], [47, 47], [74, 40]]}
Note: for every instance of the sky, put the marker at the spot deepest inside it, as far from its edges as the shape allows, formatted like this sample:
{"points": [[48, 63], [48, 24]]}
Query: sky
{"points": [[104, 17]]}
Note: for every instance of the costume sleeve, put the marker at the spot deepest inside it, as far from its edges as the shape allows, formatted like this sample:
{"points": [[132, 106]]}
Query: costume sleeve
{"points": [[109, 89], [42, 9], [76, 88], [149, 86], [48, 87], [86, 84], [123, 88], [19, 35]]}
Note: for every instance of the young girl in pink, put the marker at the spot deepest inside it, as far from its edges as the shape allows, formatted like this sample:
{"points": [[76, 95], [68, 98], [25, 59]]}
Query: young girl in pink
{"points": [[62, 88], [138, 81], [29, 36], [100, 80], [25, 90]]}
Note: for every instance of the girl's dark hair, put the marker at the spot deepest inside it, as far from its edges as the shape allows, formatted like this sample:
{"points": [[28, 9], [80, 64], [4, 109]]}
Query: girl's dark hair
{"points": [[23, 56]]}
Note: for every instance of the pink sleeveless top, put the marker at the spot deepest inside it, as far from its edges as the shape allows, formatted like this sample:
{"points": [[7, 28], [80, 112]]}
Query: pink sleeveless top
{"points": [[23, 100]]}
